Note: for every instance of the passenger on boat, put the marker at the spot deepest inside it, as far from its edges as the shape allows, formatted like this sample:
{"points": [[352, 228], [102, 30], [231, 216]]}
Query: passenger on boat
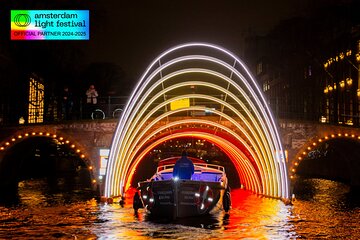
{"points": [[184, 167]]}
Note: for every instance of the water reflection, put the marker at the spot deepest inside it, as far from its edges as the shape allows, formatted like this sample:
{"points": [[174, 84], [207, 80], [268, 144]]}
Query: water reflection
{"points": [[251, 217], [328, 209], [323, 209]]}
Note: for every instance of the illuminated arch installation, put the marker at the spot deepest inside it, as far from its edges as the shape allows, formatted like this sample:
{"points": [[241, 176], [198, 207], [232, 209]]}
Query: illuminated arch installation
{"points": [[223, 105]]}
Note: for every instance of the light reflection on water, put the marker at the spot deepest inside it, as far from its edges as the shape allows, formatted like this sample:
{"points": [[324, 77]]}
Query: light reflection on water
{"points": [[323, 209]]}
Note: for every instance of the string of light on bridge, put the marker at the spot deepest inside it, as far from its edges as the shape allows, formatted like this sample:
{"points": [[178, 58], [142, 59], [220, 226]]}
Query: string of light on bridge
{"points": [[303, 153], [20, 137]]}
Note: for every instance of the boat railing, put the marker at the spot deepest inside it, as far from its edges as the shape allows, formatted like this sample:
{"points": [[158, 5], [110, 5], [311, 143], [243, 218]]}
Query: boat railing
{"points": [[213, 166], [202, 165]]}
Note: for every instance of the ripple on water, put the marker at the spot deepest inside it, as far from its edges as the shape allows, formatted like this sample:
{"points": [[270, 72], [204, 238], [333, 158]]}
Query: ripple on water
{"points": [[327, 210]]}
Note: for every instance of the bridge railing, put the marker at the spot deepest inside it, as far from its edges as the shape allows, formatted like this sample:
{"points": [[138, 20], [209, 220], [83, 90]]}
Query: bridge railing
{"points": [[107, 107], [54, 110]]}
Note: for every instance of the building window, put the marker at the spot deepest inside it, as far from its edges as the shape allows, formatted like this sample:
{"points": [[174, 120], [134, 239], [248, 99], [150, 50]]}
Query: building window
{"points": [[36, 100], [266, 86]]}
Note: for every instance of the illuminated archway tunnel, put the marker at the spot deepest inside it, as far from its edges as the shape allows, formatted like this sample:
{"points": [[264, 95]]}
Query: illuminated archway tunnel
{"points": [[334, 156], [204, 91], [56, 163]]}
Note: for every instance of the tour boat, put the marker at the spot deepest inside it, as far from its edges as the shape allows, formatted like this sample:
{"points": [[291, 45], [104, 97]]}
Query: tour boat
{"points": [[162, 195]]}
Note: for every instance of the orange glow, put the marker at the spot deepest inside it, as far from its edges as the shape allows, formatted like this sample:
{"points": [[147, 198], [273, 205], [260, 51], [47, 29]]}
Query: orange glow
{"points": [[40, 133], [77, 150], [61, 138], [72, 146], [33, 133], [19, 136], [244, 169], [26, 134], [252, 142], [47, 134], [7, 143], [54, 136], [13, 139], [82, 156]]}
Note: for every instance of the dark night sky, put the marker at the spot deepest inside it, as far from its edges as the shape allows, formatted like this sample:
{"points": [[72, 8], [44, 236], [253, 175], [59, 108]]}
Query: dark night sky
{"points": [[138, 31], [132, 33]]}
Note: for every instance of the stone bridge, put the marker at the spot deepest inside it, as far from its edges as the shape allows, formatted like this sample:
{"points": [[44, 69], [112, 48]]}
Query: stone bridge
{"points": [[87, 137]]}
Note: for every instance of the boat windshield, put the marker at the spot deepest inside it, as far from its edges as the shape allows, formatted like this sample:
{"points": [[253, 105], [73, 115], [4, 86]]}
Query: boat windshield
{"points": [[203, 172]]}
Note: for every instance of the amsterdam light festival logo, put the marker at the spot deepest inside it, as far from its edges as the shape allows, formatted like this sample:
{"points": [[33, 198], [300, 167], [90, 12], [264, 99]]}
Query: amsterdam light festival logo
{"points": [[50, 25], [22, 20]]}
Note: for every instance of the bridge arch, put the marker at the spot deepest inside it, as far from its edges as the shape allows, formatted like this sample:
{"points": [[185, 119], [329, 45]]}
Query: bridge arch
{"points": [[314, 143], [210, 80], [21, 136]]}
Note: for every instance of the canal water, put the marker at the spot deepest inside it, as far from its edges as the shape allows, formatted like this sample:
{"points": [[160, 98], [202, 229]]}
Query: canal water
{"points": [[323, 209]]}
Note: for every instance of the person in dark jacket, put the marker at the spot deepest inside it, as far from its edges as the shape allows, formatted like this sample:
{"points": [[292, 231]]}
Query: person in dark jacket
{"points": [[184, 167]]}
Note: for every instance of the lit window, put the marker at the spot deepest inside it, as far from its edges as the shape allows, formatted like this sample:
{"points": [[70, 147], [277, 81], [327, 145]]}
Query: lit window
{"points": [[36, 100]]}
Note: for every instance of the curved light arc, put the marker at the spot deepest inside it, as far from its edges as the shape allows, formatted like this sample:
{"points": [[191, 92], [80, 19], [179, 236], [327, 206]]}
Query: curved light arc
{"points": [[212, 138], [281, 170], [144, 139], [270, 168]]}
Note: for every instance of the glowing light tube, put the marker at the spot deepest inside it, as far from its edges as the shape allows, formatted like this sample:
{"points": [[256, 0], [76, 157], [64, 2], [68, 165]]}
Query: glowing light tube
{"points": [[236, 138], [205, 58], [262, 132], [184, 84], [251, 180], [156, 120]]}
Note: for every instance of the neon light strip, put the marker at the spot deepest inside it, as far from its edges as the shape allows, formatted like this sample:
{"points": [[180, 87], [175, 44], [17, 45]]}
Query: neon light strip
{"points": [[156, 120], [228, 147], [282, 174], [198, 83], [139, 104], [154, 85], [205, 58], [146, 139]]}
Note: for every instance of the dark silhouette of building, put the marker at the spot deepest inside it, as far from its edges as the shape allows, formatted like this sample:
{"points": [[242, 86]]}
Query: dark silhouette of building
{"points": [[302, 62]]}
